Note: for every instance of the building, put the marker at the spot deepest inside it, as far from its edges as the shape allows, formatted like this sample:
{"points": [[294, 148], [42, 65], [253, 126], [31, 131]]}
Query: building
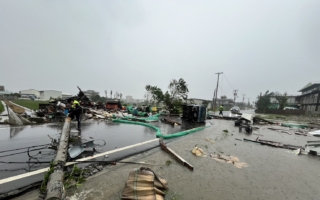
{"points": [[30, 92], [225, 102], [129, 99], [47, 94], [291, 102], [66, 95], [2, 88], [113, 104], [309, 100], [200, 102], [90, 93]]}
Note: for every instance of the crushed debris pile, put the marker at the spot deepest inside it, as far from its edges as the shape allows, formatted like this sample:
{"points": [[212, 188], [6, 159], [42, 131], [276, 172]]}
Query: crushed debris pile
{"points": [[229, 159], [296, 131], [275, 144]]}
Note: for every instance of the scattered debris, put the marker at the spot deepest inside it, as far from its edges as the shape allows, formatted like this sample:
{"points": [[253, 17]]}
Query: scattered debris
{"points": [[77, 149], [274, 144], [256, 134], [238, 139], [169, 121], [259, 120], [211, 141], [313, 147], [229, 159], [315, 133], [199, 152], [175, 155]]}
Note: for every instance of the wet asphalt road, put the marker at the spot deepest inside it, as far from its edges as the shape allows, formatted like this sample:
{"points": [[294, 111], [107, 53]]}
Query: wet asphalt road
{"points": [[106, 133], [272, 173]]}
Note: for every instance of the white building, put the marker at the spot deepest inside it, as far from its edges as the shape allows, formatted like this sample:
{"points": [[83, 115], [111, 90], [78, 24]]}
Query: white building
{"points": [[200, 102], [129, 99], [66, 95], [31, 92], [47, 94], [90, 93]]}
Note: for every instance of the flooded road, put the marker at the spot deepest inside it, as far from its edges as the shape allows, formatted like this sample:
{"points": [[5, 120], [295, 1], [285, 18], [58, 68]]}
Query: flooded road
{"points": [[107, 134], [271, 173]]}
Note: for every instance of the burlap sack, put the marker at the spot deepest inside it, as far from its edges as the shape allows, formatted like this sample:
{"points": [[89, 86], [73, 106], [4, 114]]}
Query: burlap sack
{"points": [[144, 184]]}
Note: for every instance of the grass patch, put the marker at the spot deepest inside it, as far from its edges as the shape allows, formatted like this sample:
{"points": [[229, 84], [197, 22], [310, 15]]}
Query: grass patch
{"points": [[1, 108], [33, 105], [168, 162]]}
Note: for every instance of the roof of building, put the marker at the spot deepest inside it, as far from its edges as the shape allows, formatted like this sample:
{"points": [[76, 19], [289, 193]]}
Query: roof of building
{"points": [[114, 101], [309, 85], [49, 90], [28, 89], [4, 92], [199, 99]]}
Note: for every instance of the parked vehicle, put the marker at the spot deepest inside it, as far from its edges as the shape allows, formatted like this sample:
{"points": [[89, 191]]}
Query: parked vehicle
{"points": [[235, 109], [290, 108]]}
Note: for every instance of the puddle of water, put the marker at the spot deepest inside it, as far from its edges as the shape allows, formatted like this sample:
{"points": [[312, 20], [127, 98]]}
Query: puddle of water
{"points": [[115, 135]]}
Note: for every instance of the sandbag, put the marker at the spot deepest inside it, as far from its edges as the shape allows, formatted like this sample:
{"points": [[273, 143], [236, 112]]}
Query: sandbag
{"points": [[144, 184]]}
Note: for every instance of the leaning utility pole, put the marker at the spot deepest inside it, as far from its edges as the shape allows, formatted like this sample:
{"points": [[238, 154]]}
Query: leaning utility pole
{"points": [[214, 100]]}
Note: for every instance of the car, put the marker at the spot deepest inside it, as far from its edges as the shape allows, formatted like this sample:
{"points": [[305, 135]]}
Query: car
{"points": [[235, 109], [290, 108]]}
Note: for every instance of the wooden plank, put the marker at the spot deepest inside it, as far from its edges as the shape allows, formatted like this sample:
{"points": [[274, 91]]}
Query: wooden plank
{"points": [[175, 155]]}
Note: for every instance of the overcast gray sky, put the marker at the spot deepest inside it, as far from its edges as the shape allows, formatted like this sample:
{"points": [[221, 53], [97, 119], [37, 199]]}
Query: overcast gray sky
{"points": [[124, 45]]}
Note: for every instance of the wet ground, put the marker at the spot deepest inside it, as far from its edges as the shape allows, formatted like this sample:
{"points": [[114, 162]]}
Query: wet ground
{"points": [[107, 134], [272, 173]]}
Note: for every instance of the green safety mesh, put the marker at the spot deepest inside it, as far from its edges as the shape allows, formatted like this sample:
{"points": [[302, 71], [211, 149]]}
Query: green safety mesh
{"points": [[158, 131]]}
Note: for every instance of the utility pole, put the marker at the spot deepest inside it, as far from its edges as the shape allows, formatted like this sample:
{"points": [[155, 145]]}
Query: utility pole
{"points": [[243, 100], [235, 93], [214, 100]]}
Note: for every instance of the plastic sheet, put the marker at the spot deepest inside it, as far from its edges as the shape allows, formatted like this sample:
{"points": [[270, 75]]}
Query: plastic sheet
{"points": [[13, 118]]}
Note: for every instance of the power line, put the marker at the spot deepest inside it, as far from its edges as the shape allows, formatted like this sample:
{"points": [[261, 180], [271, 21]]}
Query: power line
{"points": [[228, 82]]}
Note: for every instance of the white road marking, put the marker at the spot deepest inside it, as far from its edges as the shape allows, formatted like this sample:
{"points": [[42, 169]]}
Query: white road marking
{"points": [[13, 178]]}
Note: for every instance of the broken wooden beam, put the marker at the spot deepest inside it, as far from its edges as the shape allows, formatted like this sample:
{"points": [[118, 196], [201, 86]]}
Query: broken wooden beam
{"points": [[55, 188], [274, 144], [175, 155]]}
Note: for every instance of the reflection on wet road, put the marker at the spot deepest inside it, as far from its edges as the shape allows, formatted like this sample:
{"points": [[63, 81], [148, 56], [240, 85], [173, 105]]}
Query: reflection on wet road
{"points": [[115, 135]]}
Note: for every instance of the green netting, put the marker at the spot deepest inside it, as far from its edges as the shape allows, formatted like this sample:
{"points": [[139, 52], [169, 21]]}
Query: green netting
{"points": [[158, 131]]}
